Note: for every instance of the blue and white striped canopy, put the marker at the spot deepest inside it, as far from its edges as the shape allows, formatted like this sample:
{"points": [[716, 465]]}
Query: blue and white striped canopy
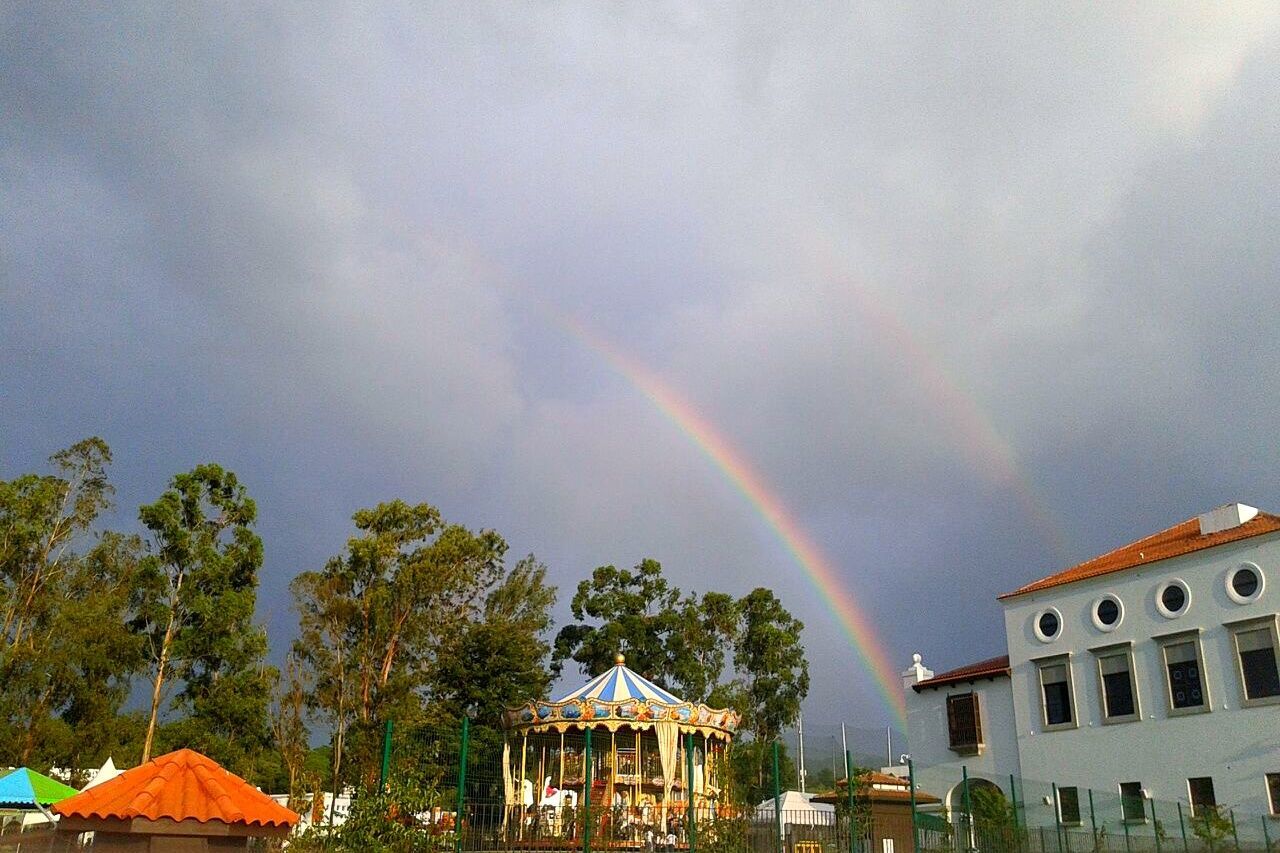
{"points": [[620, 684]]}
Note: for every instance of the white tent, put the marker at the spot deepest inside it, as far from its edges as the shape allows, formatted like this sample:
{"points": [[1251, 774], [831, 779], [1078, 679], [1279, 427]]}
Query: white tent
{"points": [[798, 809], [106, 772]]}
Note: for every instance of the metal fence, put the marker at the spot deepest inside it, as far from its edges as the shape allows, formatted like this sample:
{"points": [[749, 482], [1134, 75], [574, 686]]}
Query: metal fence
{"points": [[447, 787]]}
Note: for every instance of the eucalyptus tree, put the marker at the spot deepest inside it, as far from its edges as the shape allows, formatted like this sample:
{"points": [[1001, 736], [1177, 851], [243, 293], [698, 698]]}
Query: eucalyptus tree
{"points": [[194, 608], [374, 620]]}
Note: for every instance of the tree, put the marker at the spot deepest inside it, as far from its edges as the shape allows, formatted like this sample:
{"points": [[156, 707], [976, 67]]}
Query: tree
{"points": [[194, 608], [676, 641], [373, 619], [288, 722], [636, 611], [768, 657], [65, 659], [500, 660]]}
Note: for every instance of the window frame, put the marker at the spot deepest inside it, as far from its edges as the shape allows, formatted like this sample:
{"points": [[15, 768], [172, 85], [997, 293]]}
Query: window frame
{"points": [[1141, 798], [966, 748], [1177, 639], [1109, 651], [1273, 797], [1062, 818], [1041, 664], [1186, 599], [1229, 583], [1242, 626], [1191, 795]]}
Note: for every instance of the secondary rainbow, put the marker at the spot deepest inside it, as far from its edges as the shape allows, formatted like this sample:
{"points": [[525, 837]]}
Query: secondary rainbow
{"points": [[820, 570]]}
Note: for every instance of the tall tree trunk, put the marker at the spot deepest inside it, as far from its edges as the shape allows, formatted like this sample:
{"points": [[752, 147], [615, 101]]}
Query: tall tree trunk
{"points": [[157, 687]]}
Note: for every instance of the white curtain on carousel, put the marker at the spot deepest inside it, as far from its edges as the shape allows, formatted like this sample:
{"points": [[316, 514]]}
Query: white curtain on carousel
{"points": [[668, 739], [508, 779]]}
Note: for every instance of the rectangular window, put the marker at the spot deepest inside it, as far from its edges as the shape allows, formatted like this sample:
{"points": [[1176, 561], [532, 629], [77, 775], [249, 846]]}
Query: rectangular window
{"points": [[1115, 670], [964, 724], [1055, 686], [1200, 790], [1132, 805], [1273, 792], [1259, 676], [1069, 806], [1185, 672]]}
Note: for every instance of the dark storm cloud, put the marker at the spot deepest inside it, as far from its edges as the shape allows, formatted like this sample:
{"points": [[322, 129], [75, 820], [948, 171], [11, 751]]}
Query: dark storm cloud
{"points": [[320, 244]]}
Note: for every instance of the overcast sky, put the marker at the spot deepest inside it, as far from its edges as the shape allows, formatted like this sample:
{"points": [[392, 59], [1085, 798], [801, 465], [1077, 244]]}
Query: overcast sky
{"points": [[979, 290]]}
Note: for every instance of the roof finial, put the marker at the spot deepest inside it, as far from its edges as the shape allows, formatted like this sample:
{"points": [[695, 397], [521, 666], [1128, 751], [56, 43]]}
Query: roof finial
{"points": [[619, 658]]}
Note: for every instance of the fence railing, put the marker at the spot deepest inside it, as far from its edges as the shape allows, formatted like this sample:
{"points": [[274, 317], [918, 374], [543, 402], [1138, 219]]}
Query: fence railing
{"points": [[446, 788]]}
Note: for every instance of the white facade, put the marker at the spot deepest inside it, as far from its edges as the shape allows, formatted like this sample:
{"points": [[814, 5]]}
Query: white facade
{"points": [[927, 726], [1227, 738]]}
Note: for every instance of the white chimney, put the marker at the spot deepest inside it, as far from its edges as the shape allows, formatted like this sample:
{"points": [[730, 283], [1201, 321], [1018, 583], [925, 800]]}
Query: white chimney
{"points": [[915, 673], [1225, 518]]}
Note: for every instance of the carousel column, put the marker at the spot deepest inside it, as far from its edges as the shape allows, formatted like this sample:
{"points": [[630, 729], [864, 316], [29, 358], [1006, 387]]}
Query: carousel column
{"points": [[586, 793], [691, 817]]}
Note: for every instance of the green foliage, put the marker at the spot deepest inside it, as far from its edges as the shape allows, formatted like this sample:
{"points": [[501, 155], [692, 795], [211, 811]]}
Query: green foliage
{"points": [[194, 607], [636, 613], [500, 659], [773, 674], [751, 768], [378, 619], [1211, 826], [394, 821], [681, 642], [65, 658]]}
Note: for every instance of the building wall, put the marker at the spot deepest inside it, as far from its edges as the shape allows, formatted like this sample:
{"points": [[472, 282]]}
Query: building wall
{"points": [[928, 736], [1236, 746]]}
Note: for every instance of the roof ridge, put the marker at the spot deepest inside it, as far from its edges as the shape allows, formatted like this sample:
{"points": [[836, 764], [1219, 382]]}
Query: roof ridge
{"points": [[1177, 540]]}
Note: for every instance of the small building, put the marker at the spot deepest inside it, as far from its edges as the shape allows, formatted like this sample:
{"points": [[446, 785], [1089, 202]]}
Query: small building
{"points": [[1151, 672], [886, 800], [182, 802]]}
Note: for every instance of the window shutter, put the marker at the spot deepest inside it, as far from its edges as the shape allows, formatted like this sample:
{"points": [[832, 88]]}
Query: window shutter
{"points": [[963, 721]]}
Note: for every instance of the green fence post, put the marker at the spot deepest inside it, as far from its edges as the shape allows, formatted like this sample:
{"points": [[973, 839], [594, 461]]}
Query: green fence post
{"points": [[691, 822], [1182, 826], [1017, 822], [386, 758], [586, 794], [1093, 821], [1124, 821], [853, 819], [1155, 824], [1057, 816], [462, 783], [777, 798], [968, 809], [915, 830], [1235, 835], [1266, 834]]}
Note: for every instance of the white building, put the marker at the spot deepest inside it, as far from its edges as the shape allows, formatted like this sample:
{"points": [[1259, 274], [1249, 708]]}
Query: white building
{"points": [[1150, 670]]}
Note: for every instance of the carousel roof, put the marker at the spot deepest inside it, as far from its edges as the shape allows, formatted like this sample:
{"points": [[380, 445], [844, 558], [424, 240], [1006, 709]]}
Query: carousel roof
{"points": [[620, 684], [617, 698]]}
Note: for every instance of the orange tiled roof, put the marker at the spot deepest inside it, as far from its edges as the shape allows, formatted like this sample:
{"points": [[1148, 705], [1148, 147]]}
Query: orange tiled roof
{"points": [[182, 785], [1183, 538], [989, 668]]}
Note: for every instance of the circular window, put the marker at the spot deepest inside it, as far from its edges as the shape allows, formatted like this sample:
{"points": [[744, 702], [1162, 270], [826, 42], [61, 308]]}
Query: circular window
{"points": [[1107, 613], [1048, 625], [1244, 583], [1172, 599]]}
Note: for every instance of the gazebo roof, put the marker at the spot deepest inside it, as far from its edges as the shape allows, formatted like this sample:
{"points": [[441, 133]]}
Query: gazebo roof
{"points": [[182, 785]]}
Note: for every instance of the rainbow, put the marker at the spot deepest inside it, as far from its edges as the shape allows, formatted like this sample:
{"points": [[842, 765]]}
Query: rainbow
{"points": [[820, 570]]}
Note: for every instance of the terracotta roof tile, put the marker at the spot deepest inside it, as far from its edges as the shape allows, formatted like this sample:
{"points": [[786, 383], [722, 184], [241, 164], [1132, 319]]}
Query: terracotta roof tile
{"points": [[989, 668], [1183, 538], [182, 785]]}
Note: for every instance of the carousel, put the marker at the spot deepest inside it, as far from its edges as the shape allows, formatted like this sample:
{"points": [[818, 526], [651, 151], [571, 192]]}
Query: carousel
{"points": [[621, 747]]}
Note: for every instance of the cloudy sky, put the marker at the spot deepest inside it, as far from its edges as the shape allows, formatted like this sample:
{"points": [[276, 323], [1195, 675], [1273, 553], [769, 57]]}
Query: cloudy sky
{"points": [[978, 290]]}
